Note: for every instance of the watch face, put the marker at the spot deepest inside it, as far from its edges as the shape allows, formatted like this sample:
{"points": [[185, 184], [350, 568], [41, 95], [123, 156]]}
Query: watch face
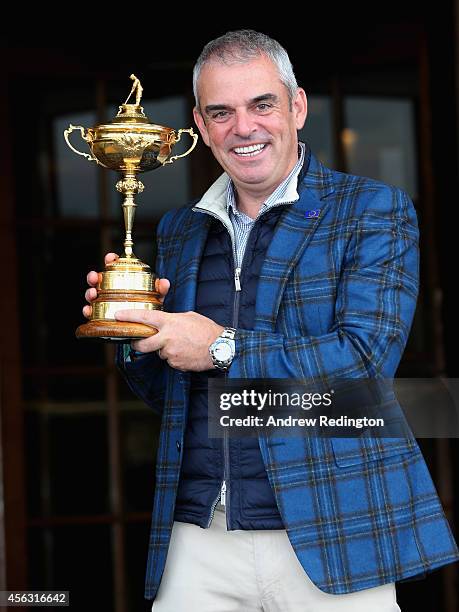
{"points": [[223, 351]]}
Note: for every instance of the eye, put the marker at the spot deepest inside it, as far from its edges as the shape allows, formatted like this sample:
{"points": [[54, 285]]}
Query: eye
{"points": [[263, 107], [220, 116]]}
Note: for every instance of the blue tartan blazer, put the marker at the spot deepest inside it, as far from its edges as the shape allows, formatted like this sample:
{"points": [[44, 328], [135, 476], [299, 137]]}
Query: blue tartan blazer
{"points": [[336, 297]]}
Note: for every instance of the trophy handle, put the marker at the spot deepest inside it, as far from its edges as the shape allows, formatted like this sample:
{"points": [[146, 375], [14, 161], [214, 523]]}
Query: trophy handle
{"points": [[179, 134], [85, 138]]}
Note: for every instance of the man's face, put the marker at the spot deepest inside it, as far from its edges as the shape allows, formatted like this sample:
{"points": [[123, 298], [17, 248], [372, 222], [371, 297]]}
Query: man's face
{"points": [[246, 120]]}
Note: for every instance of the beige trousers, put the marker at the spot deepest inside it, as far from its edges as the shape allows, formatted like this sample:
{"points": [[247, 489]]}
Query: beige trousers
{"points": [[215, 570]]}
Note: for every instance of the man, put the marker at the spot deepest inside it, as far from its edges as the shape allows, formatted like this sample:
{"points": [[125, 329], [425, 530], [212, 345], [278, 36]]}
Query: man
{"points": [[283, 269]]}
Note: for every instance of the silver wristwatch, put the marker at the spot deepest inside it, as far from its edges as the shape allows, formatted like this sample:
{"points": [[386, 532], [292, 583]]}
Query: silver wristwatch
{"points": [[223, 349]]}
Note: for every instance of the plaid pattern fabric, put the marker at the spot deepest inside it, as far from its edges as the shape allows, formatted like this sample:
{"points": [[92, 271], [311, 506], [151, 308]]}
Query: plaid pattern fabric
{"points": [[336, 297]]}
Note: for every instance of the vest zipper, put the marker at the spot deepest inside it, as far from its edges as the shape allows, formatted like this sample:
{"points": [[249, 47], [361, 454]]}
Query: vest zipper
{"points": [[212, 510], [225, 488], [237, 279], [223, 494]]}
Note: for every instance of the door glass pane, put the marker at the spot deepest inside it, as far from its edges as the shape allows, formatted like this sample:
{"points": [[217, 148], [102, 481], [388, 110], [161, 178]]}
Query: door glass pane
{"points": [[379, 140], [76, 176], [67, 459], [53, 263], [317, 131], [137, 537], [140, 434], [75, 558]]}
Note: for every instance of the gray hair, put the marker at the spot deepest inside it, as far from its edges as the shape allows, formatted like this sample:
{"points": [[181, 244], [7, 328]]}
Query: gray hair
{"points": [[242, 46]]}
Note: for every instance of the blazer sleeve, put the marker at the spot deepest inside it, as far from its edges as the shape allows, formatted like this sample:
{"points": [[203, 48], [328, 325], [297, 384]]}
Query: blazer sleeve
{"points": [[145, 376], [374, 308]]}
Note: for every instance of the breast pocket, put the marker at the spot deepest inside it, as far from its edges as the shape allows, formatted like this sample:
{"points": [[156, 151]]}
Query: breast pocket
{"points": [[354, 451]]}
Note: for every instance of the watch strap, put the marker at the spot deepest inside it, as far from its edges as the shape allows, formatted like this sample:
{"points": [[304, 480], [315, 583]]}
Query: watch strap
{"points": [[228, 332]]}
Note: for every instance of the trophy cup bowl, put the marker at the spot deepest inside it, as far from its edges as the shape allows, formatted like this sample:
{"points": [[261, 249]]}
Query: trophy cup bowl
{"points": [[130, 144]]}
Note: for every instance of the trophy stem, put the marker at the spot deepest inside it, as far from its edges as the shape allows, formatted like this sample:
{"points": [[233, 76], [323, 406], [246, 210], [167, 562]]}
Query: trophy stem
{"points": [[129, 186]]}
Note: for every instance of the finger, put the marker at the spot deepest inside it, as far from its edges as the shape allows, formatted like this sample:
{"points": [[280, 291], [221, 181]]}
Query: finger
{"points": [[156, 318], [92, 278], [148, 345], [109, 257], [162, 285], [90, 294], [87, 311]]}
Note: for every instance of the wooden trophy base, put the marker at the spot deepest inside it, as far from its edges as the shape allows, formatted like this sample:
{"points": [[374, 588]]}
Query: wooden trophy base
{"points": [[125, 284], [117, 331]]}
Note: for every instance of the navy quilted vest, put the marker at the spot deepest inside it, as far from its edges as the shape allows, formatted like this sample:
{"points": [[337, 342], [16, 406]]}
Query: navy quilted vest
{"points": [[250, 502]]}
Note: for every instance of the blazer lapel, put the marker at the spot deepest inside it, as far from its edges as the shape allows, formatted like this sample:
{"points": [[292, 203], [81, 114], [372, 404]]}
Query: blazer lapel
{"points": [[295, 228]]}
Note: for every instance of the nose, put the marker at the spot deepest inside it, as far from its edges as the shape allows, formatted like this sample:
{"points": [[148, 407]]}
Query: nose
{"points": [[243, 123]]}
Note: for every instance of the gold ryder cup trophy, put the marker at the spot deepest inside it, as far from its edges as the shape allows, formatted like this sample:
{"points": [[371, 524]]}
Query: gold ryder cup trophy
{"points": [[129, 144]]}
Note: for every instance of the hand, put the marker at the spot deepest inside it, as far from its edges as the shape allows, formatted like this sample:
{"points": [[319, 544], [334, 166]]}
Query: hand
{"points": [[183, 338], [93, 278]]}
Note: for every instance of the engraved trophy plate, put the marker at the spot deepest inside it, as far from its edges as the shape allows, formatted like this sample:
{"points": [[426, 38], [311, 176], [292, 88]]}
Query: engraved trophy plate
{"points": [[129, 144]]}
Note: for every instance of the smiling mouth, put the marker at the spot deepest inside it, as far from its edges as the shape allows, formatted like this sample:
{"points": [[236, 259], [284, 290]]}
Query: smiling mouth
{"points": [[249, 151]]}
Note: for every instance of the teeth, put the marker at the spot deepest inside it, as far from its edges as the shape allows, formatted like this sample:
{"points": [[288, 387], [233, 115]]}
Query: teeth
{"points": [[249, 151]]}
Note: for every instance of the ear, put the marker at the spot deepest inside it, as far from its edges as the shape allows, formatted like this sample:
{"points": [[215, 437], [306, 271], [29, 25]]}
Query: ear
{"points": [[300, 108], [199, 120]]}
